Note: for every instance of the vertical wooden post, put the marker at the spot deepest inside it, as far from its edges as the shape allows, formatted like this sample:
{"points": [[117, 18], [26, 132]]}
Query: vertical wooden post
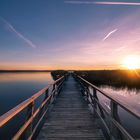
{"points": [[46, 96], [30, 112], [85, 91], [114, 110], [53, 86], [53, 94], [114, 114], [46, 93], [94, 101], [56, 89]]}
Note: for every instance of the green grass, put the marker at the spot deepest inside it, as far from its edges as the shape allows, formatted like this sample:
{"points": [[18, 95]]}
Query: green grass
{"points": [[116, 78]]}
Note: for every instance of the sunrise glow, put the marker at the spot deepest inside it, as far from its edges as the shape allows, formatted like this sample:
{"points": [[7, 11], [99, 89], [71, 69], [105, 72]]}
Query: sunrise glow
{"points": [[132, 62], [70, 35]]}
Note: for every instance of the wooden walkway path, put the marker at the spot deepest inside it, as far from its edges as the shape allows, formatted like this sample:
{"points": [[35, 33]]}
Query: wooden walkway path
{"points": [[70, 117]]}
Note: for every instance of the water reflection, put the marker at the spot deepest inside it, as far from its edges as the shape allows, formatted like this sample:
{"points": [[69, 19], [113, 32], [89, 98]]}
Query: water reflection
{"points": [[16, 87], [25, 76], [130, 97]]}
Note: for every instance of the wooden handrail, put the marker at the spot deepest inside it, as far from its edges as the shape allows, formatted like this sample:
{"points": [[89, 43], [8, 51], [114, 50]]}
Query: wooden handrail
{"points": [[101, 111], [122, 104], [30, 101], [11, 113], [36, 95]]}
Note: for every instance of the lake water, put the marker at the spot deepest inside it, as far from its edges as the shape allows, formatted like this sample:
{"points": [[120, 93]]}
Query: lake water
{"points": [[131, 97], [16, 87]]}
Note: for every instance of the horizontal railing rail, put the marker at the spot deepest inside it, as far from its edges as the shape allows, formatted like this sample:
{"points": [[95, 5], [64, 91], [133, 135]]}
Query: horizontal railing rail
{"points": [[110, 118], [50, 92]]}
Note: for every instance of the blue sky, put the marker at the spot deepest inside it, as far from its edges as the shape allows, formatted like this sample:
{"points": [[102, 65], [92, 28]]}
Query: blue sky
{"points": [[56, 34]]}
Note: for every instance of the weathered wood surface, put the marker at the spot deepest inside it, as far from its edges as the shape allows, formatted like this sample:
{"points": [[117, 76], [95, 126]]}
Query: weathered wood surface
{"points": [[70, 117]]}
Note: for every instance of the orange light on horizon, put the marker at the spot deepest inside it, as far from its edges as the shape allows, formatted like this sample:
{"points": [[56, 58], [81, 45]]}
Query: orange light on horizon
{"points": [[132, 62]]}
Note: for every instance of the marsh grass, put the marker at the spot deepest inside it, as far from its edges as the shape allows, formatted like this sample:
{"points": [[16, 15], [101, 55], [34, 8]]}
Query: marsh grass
{"points": [[57, 74], [116, 78]]}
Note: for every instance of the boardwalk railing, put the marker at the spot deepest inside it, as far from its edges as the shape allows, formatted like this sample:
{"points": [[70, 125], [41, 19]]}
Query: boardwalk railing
{"points": [[110, 119], [49, 93]]}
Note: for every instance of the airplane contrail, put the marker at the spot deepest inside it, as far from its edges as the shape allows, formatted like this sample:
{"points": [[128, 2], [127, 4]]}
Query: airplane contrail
{"points": [[104, 3], [109, 34], [119, 3], [29, 42]]}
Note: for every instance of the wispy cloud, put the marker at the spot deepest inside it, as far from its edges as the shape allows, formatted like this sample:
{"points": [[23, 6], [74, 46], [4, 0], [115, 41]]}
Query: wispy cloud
{"points": [[21, 36], [109, 34], [103, 3], [119, 3]]}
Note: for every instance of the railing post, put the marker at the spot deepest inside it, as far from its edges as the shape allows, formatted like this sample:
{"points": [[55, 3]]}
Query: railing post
{"points": [[94, 101], [82, 86], [114, 115], [56, 89], [46, 93], [30, 112], [46, 96], [114, 110], [95, 104], [53, 93], [53, 87]]}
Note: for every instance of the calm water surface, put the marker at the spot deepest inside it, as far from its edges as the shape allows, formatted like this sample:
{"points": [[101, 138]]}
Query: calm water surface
{"points": [[16, 87], [130, 97]]}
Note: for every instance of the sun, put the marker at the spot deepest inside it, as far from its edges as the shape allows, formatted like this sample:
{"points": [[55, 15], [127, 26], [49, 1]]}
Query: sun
{"points": [[132, 62]]}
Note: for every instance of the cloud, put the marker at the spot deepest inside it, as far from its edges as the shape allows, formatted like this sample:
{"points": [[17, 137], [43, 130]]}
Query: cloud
{"points": [[104, 3], [109, 34], [29, 42], [79, 2], [119, 3]]}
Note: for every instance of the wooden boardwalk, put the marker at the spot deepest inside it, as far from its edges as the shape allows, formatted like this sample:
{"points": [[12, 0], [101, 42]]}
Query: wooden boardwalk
{"points": [[70, 117]]}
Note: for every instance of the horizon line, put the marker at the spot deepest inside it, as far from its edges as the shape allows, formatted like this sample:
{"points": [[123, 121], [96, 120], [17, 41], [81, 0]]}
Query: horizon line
{"points": [[6, 70]]}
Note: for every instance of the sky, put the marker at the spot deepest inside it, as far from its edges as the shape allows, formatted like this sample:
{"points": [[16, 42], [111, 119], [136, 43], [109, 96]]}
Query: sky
{"points": [[68, 34]]}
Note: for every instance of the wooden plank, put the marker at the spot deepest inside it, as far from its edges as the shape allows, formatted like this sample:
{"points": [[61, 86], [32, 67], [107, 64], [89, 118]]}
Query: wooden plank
{"points": [[70, 117]]}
